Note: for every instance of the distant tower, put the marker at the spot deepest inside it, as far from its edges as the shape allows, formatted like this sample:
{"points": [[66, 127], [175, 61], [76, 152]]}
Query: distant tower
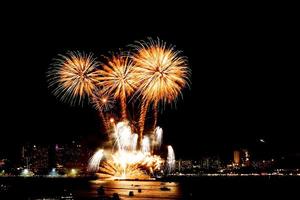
{"points": [[179, 165], [236, 157], [52, 156]]}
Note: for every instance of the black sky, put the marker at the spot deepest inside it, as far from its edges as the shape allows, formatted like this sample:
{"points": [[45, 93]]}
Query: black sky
{"points": [[244, 79]]}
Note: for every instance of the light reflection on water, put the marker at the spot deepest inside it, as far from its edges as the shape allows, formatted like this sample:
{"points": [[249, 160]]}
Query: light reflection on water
{"points": [[186, 188], [149, 189]]}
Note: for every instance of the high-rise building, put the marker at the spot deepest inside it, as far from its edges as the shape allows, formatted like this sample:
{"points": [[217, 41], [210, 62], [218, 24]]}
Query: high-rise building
{"points": [[241, 157], [35, 157], [236, 157], [72, 155], [41, 158]]}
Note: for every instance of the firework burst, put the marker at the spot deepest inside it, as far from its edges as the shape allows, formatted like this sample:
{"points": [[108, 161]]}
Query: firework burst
{"points": [[102, 101], [170, 159], [126, 161], [155, 73], [73, 77], [116, 79], [161, 74], [95, 160], [129, 164]]}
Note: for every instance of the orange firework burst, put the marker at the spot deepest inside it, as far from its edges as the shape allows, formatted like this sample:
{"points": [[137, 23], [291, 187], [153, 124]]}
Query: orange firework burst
{"points": [[161, 74], [126, 161], [116, 79], [102, 101], [73, 76], [161, 71]]}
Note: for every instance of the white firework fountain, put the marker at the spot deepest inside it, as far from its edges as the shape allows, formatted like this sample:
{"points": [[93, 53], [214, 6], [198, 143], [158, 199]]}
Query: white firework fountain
{"points": [[125, 160]]}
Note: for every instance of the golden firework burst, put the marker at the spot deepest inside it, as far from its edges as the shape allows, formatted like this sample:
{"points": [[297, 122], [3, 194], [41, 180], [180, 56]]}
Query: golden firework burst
{"points": [[102, 101], [160, 72], [116, 79], [73, 77]]}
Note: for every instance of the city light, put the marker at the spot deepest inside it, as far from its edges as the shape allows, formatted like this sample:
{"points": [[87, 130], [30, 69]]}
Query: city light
{"points": [[53, 173], [26, 172], [112, 120], [73, 172]]}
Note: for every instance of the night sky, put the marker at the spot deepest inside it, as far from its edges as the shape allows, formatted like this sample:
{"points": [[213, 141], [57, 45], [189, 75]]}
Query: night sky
{"points": [[244, 81]]}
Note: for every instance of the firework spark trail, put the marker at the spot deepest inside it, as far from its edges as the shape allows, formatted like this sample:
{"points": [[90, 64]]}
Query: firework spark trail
{"points": [[116, 79], [158, 134], [123, 136], [155, 114], [114, 170], [104, 120], [108, 168], [143, 114], [146, 145], [170, 159], [160, 72], [73, 77], [95, 160], [134, 139], [102, 103]]}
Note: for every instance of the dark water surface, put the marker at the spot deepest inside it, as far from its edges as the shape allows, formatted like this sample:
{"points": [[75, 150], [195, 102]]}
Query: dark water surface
{"points": [[180, 188]]}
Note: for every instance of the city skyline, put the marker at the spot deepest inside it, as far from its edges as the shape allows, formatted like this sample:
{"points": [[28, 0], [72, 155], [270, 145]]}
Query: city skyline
{"points": [[233, 133]]}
